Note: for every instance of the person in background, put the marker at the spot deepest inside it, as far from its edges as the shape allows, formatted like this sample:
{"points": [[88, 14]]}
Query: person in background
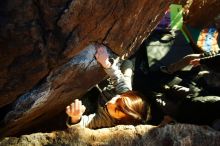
{"points": [[127, 107], [210, 58], [211, 61]]}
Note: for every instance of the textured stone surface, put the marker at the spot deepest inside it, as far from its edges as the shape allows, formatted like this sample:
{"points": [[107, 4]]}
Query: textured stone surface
{"points": [[201, 13], [48, 99], [40, 40], [142, 135], [42, 69], [37, 36]]}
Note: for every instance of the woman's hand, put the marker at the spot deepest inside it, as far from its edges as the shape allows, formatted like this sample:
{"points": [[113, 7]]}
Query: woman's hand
{"points": [[75, 110], [102, 56], [195, 62]]}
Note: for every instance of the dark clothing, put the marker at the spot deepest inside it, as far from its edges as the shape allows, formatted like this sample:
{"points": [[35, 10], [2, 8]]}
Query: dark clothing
{"points": [[185, 106], [199, 110], [212, 62]]}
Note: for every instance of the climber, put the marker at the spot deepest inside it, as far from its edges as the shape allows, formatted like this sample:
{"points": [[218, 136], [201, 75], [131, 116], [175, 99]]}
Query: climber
{"points": [[128, 107]]}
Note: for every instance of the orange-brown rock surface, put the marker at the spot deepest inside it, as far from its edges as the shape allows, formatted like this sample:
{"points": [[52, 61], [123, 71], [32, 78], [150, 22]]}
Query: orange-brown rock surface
{"points": [[142, 135], [41, 68], [201, 13], [47, 60]]}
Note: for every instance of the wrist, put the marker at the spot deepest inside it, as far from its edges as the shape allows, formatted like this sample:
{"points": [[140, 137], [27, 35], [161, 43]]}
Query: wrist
{"points": [[107, 64], [75, 119]]}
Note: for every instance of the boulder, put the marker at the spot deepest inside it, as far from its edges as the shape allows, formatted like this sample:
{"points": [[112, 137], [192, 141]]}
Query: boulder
{"points": [[141, 135], [44, 59]]}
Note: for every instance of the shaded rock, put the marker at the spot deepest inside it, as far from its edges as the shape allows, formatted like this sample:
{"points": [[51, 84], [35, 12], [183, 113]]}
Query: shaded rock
{"points": [[40, 40], [42, 69], [50, 98], [37, 36], [178, 135]]}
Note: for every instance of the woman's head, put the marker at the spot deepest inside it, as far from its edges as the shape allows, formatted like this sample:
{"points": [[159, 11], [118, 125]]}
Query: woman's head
{"points": [[129, 108]]}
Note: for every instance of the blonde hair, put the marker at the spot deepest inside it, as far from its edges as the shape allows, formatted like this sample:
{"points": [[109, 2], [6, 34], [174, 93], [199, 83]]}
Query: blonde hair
{"points": [[134, 106]]}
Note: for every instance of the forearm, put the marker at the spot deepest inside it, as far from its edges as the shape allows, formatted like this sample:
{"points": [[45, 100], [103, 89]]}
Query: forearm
{"points": [[111, 69], [117, 78]]}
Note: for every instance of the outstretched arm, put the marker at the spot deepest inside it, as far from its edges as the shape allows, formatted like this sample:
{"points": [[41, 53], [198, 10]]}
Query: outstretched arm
{"points": [[112, 70], [75, 111], [195, 62], [211, 62]]}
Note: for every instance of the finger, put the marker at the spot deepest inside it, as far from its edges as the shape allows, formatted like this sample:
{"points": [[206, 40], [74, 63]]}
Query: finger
{"points": [[83, 109], [104, 50], [67, 110], [99, 49], [80, 104], [76, 108], [97, 53], [72, 107]]}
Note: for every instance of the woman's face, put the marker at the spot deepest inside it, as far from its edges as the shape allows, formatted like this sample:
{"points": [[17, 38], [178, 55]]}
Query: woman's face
{"points": [[114, 108]]}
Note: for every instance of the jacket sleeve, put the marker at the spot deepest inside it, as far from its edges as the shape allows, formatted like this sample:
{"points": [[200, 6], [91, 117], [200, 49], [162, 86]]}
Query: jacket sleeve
{"points": [[212, 62], [84, 121], [93, 121], [117, 78]]}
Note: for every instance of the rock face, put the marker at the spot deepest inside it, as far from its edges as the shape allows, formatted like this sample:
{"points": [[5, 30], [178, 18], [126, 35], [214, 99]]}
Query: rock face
{"points": [[38, 35], [47, 60], [60, 88], [142, 135], [42, 69], [201, 13]]}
